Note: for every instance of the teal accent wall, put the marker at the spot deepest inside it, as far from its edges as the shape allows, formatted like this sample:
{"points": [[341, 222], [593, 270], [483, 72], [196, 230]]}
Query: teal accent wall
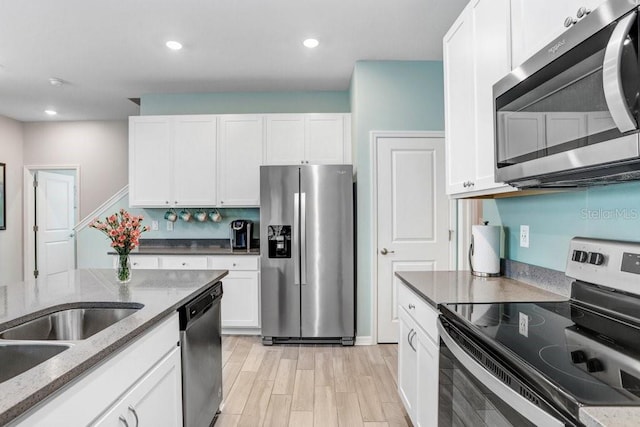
{"points": [[604, 212], [245, 103], [387, 95], [92, 245]]}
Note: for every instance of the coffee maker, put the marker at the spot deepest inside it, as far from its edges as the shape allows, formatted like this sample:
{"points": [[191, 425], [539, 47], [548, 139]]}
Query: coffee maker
{"points": [[241, 234]]}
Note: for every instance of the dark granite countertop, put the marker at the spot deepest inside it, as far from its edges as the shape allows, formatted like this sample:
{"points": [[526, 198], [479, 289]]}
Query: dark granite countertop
{"points": [[190, 247], [160, 291], [437, 287]]}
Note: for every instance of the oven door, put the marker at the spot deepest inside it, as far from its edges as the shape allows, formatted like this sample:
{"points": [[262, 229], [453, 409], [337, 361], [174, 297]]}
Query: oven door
{"points": [[470, 395], [572, 107]]}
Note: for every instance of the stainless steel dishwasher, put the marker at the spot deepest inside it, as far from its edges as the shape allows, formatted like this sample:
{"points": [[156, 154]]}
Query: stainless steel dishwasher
{"points": [[201, 358]]}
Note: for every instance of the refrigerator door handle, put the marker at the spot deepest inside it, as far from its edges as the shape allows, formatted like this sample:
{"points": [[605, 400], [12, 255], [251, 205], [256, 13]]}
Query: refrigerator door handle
{"points": [[303, 238], [296, 238]]}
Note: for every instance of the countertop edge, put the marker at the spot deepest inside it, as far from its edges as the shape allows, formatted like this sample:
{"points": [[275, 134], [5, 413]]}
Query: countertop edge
{"points": [[418, 292], [610, 416], [32, 400]]}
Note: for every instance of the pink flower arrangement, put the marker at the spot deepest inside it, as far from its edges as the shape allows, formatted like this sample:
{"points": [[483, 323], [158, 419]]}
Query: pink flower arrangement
{"points": [[123, 229]]}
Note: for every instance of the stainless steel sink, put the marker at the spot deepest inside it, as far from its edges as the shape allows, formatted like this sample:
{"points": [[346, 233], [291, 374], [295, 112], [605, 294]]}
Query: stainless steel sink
{"points": [[18, 358], [70, 324]]}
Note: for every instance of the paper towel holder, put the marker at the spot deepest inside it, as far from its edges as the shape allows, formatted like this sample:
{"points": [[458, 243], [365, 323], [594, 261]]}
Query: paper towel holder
{"points": [[471, 253]]}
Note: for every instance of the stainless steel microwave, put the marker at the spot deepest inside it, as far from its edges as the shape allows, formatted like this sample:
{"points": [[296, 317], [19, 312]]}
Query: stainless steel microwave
{"points": [[569, 116]]}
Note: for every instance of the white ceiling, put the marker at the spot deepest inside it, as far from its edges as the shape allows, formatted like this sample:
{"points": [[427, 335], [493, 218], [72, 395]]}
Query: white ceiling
{"points": [[112, 50]]}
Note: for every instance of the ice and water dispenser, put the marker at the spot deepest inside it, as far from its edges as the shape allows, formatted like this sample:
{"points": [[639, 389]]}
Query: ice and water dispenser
{"points": [[279, 238]]}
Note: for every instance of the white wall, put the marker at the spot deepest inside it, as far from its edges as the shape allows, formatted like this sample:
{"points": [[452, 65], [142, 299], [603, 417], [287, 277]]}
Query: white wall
{"points": [[99, 147], [11, 143]]}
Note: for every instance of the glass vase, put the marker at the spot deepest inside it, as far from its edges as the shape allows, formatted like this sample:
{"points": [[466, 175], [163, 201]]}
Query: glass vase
{"points": [[123, 269]]}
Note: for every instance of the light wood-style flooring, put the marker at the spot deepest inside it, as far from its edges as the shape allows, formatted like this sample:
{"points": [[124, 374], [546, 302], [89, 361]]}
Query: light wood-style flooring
{"points": [[309, 385]]}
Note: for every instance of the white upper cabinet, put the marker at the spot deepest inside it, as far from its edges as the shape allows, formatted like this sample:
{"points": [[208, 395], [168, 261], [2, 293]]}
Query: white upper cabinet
{"points": [[476, 55], [325, 138], [308, 139], [536, 23], [284, 142], [240, 150], [194, 164], [150, 163], [172, 161]]}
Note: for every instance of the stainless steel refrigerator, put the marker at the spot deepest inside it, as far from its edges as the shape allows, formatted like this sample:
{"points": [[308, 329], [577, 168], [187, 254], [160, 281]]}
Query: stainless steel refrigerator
{"points": [[307, 254]]}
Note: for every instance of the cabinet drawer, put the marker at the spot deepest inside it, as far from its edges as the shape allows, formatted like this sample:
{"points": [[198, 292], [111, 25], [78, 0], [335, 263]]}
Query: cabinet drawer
{"points": [[424, 315], [242, 262], [142, 262], [184, 262]]}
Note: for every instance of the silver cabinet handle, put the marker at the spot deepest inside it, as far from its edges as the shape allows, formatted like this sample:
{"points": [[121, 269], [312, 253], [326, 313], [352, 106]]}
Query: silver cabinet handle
{"points": [[411, 306], [570, 21], [410, 337], [135, 414], [222, 202], [124, 421], [166, 202], [583, 11], [385, 251], [184, 263], [612, 76], [302, 162]]}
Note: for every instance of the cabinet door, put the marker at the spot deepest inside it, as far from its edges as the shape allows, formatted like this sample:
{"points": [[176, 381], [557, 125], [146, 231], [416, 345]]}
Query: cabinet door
{"points": [[240, 300], [194, 153], [427, 374], [536, 23], [407, 363], [155, 400], [324, 139], [150, 163], [141, 262], [492, 59], [284, 140], [459, 105], [240, 157]]}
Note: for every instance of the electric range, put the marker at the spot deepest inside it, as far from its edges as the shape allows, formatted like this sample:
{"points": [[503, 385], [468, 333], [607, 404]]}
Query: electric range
{"points": [[550, 358]]}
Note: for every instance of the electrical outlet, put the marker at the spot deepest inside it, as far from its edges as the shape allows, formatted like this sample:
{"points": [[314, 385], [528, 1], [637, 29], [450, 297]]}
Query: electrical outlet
{"points": [[169, 226], [524, 236], [154, 225]]}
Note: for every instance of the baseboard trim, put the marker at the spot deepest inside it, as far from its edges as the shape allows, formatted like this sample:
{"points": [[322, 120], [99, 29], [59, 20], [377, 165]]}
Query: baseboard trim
{"points": [[241, 331], [364, 340]]}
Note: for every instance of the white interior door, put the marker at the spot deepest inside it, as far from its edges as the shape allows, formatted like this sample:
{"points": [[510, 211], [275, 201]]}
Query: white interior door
{"points": [[55, 245], [412, 217]]}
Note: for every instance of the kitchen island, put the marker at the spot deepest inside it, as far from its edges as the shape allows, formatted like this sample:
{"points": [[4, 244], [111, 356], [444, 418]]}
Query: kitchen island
{"points": [[160, 293]]}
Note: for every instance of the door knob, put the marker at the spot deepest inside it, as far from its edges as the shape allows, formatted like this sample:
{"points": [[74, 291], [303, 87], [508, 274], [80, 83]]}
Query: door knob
{"points": [[385, 251]]}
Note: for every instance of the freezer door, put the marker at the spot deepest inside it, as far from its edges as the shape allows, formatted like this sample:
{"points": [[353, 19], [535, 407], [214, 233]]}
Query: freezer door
{"points": [[280, 289], [326, 245]]}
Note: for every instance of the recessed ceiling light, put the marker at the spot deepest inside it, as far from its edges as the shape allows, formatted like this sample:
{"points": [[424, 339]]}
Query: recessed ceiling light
{"points": [[50, 112], [174, 45], [311, 43]]}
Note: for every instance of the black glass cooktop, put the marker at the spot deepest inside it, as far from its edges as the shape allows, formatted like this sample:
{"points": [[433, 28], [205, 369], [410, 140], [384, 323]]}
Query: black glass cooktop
{"points": [[578, 356]]}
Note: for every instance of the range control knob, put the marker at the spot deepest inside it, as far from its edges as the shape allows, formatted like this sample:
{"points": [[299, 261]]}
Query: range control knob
{"points": [[596, 258], [594, 365], [578, 356], [579, 256]]}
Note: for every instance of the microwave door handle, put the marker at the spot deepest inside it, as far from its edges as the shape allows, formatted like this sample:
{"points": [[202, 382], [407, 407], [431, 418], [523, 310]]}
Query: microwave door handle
{"points": [[533, 413], [612, 76]]}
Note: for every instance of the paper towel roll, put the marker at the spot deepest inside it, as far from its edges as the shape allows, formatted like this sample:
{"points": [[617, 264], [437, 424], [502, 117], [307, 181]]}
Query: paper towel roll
{"points": [[485, 250]]}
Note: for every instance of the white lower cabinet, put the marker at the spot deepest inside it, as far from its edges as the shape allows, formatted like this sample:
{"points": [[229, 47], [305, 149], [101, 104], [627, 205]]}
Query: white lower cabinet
{"points": [[141, 380], [418, 358], [240, 307], [152, 400]]}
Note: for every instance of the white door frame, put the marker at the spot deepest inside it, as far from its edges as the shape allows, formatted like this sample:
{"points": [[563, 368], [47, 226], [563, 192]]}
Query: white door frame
{"points": [[29, 211], [373, 137]]}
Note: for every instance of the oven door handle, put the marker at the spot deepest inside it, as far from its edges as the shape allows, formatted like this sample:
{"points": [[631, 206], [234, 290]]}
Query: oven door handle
{"points": [[509, 396], [612, 76]]}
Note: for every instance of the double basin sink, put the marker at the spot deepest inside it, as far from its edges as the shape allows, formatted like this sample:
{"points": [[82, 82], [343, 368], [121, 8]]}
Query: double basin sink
{"points": [[32, 342]]}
